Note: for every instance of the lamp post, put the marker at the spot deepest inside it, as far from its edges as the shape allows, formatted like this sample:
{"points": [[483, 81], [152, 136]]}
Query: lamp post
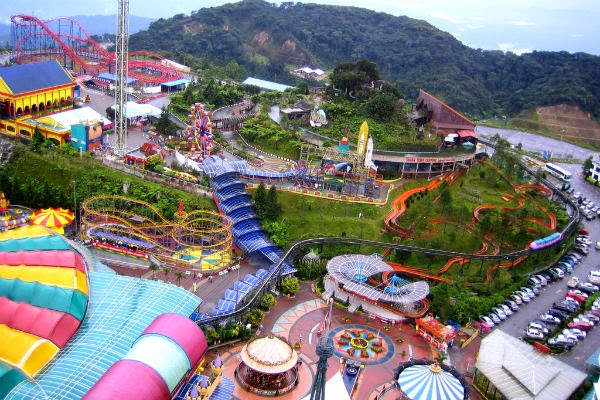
{"points": [[75, 205], [237, 288]]}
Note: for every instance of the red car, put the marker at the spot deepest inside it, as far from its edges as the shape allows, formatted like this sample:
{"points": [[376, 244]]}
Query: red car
{"points": [[577, 295], [583, 325]]}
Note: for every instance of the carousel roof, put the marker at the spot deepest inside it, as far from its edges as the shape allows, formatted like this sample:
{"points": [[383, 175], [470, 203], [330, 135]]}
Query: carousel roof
{"points": [[430, 382], [269, 354]]}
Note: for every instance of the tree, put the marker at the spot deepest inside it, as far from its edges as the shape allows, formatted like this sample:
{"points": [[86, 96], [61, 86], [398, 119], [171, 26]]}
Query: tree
{"points": [[167, 271], [37, 140], [587, 166], [267, 301], [255, 317], [290, 285], [164, 124], [153, 267], [260, 200], [178, 277], [272, 207]]}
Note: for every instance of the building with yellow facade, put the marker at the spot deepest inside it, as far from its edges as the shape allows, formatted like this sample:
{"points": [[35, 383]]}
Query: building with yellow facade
{"points": [[31, 91]]}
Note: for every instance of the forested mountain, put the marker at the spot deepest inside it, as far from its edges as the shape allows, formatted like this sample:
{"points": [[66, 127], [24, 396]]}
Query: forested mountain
{"points": [[269, 40]]}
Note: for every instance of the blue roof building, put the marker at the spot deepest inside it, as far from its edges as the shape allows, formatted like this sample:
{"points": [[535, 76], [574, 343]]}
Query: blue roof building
{"points": [[266, 85]]}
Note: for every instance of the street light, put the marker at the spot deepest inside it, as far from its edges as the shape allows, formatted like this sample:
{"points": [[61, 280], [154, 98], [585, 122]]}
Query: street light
{"points": [[75, 205], [237, 288]]}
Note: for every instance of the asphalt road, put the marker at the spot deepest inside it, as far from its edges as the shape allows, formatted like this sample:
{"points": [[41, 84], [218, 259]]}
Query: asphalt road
{"points": [[516, 324]]}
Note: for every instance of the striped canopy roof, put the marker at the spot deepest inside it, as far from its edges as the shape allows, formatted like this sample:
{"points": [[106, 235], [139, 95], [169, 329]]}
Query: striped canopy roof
{"points": [[430, 382]]}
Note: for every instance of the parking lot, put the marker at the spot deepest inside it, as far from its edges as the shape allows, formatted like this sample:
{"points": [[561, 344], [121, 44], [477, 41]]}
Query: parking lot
{"points": [[554, 292]]}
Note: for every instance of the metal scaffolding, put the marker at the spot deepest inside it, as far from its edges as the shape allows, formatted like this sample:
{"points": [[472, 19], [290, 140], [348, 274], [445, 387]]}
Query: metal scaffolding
{"points": [[121, 60]]}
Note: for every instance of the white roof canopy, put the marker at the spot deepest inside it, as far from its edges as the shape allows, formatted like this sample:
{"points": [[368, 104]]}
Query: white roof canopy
{"points": [[134, 110]]}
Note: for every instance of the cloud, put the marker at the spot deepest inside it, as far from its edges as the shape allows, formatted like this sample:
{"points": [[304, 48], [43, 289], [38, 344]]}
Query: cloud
{"points": [[576, 35], [505, 47], [446, 17], [523, 23]]}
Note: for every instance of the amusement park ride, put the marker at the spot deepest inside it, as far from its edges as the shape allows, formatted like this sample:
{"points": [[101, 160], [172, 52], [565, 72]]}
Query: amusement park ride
{"points": [[65, 40], [199, 132], [200, 240], [340, 168]]}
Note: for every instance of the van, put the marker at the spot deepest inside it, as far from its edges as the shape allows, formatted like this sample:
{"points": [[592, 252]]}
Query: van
{"points": [[594, 277]]}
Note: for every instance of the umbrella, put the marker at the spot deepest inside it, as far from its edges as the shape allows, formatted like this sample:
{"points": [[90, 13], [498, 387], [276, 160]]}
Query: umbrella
{"points": [[430, 382], [53, 218]]}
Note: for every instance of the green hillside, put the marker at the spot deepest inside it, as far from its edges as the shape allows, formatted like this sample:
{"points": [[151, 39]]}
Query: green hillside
{"points": [[269, 40]]}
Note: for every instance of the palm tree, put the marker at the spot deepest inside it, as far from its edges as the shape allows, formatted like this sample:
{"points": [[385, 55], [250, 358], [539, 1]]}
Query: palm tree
{"points": [[179, 277], [153, 267], [440, 358], [167, 271]]}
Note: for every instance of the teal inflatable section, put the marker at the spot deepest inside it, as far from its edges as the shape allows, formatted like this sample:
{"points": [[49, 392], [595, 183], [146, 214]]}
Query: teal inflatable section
{"points": [[35, 244], [9, 378], [37, 294]]}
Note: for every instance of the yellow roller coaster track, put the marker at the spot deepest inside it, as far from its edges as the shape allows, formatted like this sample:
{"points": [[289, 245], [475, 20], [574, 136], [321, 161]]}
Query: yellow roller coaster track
{"points": [[125, 217]]}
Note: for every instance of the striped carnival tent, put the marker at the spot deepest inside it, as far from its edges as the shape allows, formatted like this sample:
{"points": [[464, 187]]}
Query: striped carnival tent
{"points": [[430, 382], [54, 218], [44, 295]]}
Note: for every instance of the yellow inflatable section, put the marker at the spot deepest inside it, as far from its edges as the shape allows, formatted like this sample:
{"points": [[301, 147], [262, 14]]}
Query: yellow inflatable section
{"points": [[68, 278], [22, 350], [25, 232]]}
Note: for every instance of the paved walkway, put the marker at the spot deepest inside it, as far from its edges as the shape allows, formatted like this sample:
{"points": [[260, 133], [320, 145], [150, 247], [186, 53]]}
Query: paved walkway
{"points": [[303, 314]]}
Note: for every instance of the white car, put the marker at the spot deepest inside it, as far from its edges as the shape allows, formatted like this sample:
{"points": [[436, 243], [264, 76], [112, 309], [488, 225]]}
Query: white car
{"points": [[529, 291], [534, 333], [507, 311], [499, 312], [523, 295], [594, 277], [550, 319], [577, 332]]}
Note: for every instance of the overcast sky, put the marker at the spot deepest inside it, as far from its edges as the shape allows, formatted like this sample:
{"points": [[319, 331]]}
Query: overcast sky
{"points": [[509, 25]]}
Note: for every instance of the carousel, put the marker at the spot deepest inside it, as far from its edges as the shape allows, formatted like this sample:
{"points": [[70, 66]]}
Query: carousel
{"points": [[12, 216], [427, 379], [269, 366]]}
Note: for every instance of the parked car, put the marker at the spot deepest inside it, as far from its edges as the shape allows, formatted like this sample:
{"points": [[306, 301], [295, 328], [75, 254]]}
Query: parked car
{"points": [[487, 320], [584, 326], [482, 326], [523, 295], [591, 316], [573, 282], [570, 336], [577, 295], [507, 310], [542, 279], [539, 325], [558, 273], [550, 319], [534, 281], [495, 318], [588, 287], [577, 332], [572, 340], [529, 291], [594, 277], [562, 315], [581, 249], [516, 298], [499, 312], [535, 334], [512, 304]]}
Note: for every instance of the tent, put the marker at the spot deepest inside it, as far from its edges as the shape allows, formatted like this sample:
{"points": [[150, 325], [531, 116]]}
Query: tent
{"points": [[53, 218], [134, 110]]}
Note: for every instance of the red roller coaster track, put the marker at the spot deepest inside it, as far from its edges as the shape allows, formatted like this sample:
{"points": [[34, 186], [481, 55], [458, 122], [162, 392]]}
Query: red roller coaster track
{"points": [[65, 40]]}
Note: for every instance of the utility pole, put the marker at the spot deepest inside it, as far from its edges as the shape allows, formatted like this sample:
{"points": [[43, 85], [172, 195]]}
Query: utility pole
{"points": [[75, 206], [121, 60]]}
